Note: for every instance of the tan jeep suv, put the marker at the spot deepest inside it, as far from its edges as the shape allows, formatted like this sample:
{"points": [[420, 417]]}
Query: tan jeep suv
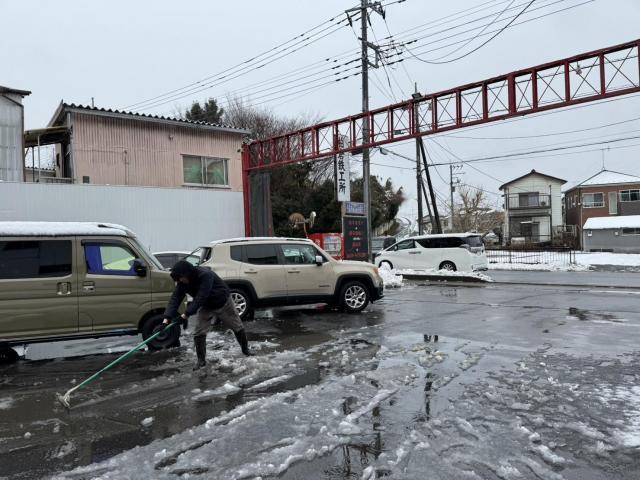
{"points": [[263, 272]]}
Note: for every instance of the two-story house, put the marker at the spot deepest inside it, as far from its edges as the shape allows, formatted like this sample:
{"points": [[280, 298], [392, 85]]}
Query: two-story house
{"points": [[605, 194], [533, 208]]}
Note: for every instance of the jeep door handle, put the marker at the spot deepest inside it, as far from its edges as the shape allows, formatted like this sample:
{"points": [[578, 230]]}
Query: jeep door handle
{"points": [[253, 272], [293, 271]]}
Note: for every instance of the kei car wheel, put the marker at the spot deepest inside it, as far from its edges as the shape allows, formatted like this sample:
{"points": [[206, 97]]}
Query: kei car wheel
{"points": [[8, 355], [169, 338]]}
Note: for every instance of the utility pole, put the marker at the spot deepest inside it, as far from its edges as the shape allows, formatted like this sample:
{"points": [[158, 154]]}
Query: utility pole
{"points": [[364, 7], [452, 189], [416, 120], [366, 189], [434, 205]]}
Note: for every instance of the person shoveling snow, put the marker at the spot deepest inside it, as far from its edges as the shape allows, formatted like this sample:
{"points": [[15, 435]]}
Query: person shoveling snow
{"points": [[211, 299]]}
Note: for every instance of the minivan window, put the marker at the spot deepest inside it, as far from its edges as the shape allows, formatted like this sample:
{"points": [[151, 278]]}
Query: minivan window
{"points": [[261, 254], [35, 259], [404, 245], [109, 259], [474, 241]]}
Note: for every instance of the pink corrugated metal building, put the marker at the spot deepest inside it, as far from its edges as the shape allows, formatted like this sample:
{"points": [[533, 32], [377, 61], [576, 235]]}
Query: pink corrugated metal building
{"points": [[110, 147]]}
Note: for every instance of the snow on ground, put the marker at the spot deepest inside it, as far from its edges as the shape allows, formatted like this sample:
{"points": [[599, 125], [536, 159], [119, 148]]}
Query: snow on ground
{"points": [[607, 258], [539, 267]]}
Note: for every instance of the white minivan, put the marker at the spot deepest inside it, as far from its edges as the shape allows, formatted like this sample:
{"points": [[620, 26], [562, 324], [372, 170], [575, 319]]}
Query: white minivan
{"points": [[449, 251]]}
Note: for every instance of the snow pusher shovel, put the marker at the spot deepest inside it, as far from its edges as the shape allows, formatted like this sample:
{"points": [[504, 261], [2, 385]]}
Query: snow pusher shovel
{"points": [[66, 398]]}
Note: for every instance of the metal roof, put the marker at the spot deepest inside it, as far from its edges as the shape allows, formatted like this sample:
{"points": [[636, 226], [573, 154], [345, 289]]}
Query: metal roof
{"points": [[64, 107], [533, 172], [608, 177], [24, 93]]}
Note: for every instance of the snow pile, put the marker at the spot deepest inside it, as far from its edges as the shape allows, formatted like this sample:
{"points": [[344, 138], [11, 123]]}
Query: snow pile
{"points": [[391, 278], [627, 399], [447, 274], [147, 422], [5, 403]]}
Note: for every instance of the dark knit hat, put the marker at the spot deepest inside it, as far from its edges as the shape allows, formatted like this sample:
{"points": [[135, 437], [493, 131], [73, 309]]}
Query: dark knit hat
{"points": [[182, 269]]}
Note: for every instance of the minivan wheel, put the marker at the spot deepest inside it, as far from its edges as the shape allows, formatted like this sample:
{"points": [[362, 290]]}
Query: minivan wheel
{"points": [[8, 355], [448, 266], [387, 263], [243, 304], [354, 297], [167, 339]]}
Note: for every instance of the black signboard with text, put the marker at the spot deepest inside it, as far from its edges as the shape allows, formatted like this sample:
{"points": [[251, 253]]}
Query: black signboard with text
{"points": [[354, 230]]}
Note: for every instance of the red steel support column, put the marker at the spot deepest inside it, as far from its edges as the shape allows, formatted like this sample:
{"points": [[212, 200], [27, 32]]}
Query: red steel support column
{"points": [[534, 89], [434, 114], [567, 82], [458, 108], [511, 93], [246, 194], [485, 102], [603, 78]]}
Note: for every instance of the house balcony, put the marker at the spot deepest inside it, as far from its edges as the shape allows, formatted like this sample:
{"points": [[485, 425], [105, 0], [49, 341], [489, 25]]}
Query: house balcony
{"points": [[528, 201]]}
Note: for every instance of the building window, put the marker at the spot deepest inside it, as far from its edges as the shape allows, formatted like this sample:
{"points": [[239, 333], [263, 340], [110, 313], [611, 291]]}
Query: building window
{"points": [[629, 195], [593, 200], [205, 170], [631, 231]]}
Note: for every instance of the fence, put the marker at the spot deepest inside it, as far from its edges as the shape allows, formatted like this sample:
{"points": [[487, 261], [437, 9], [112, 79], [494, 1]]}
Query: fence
{"points": [[531, 255]]}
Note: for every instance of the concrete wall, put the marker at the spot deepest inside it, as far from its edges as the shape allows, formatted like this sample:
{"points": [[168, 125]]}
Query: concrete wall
{"points": [[11, 126], [163, 218], [121, 151], [611, 239]]}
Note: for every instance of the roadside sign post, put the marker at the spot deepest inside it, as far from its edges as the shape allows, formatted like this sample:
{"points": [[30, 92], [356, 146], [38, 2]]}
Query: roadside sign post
{"points": [[354, 231]]}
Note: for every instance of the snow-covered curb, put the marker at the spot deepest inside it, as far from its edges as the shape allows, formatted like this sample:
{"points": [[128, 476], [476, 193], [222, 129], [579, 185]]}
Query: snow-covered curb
{"points": [[447, 274], [539, 267]]}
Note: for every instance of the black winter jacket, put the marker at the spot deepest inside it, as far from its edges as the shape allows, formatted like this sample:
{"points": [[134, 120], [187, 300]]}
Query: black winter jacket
{"points": [[206, 288]]}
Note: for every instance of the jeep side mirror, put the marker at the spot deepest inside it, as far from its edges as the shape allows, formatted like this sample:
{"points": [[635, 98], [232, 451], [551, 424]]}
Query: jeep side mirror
{"points": [[319, 260], [139, 267]]}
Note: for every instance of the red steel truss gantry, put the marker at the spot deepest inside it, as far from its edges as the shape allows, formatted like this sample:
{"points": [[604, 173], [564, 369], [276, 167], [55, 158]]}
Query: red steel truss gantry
{"points": [[587, 77]]}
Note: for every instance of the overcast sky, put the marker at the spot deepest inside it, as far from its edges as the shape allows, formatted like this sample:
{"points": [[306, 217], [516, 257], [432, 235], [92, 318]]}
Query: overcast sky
{"points": [[125, 52]]}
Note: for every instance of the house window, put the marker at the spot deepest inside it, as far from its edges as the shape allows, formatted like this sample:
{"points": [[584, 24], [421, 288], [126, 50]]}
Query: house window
{"points": [[631, 231], [205, 170], [593, 200], [629, 195]]}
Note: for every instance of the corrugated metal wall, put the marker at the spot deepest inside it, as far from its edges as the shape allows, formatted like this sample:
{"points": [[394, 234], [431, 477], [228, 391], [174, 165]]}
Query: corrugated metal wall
{"points": [[11, 156], [117, 151], [163, 218]]}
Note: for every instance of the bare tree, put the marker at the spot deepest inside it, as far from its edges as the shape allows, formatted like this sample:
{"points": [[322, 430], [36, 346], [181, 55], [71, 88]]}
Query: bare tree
{"points": [[474, 212]]}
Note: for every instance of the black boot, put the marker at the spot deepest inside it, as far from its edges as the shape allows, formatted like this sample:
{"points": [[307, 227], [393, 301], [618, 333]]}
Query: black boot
{"points": [[241, 336], [200, 343]]}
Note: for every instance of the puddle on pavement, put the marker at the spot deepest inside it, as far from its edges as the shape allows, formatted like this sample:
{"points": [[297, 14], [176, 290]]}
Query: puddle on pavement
{"points": [[586, 315]]}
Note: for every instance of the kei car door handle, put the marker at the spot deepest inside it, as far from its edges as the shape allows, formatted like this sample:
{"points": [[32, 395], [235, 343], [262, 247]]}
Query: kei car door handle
{"points": [[88, 287], [64, 288]]}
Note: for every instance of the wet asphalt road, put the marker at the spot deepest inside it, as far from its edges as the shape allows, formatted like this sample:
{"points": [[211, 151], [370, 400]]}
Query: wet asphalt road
{"points": [[493, 361]]}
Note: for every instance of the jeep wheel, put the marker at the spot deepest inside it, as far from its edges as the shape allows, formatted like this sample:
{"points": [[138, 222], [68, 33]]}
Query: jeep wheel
{"points": [[167, 339], [354, 297], [243, 304], [8, 355]]}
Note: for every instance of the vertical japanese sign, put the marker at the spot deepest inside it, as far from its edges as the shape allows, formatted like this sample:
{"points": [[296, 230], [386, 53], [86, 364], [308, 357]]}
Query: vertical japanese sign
{"points": [[343, 182]]}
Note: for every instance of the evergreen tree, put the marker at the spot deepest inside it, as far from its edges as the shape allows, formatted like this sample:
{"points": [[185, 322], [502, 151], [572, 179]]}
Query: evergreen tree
{"points": [[210, 113]]}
